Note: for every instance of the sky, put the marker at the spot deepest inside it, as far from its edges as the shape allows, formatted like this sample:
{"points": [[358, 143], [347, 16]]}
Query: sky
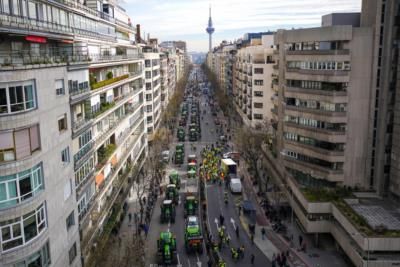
{"points": [[187, 19]]}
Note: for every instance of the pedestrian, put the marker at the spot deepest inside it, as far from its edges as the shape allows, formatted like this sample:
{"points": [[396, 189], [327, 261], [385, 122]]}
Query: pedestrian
{"points": [[221, 219], [241, 249], [273, 260], [252, 257], [209, 262], [129, 217], [300, 241], [240, 209], [252, 239], [237, 231], [263, 233], [283, 259]]}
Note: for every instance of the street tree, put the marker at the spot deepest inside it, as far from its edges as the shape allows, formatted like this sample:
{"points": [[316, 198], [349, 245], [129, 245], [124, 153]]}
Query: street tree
{"points": [[248, 142]]}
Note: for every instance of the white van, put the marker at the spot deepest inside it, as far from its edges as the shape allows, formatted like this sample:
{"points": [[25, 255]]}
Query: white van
{"points": [[235, 185]]}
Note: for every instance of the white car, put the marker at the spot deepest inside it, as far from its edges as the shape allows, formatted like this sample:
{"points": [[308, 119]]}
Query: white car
{"points": [[235, 185]]}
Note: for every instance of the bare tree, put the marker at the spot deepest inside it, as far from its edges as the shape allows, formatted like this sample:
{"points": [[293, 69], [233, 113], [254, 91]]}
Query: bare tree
{"points": [[248, 143]]}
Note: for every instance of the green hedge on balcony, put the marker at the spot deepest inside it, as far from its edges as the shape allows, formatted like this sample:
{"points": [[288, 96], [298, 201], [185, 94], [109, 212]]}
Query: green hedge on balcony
{"points": [[109, 81]]}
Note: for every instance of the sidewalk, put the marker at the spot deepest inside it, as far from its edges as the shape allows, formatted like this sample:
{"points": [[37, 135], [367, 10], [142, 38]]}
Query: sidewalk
{"points": [[275, 243]]}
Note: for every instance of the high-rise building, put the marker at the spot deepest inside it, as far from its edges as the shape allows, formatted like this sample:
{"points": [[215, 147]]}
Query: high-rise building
{"points": [[335, 149], [153, 91], [71, 126], [253, 76]]}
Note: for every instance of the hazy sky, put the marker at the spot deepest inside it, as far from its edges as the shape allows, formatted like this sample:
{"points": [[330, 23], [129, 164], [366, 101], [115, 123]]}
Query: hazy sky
{"points": [[187, 19]]}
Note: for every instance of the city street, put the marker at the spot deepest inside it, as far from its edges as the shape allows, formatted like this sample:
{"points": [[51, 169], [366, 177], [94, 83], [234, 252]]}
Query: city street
{"points": [[215, 208]]}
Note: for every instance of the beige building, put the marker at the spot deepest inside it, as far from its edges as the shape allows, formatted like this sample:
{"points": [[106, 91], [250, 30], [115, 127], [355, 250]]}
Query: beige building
{"points": [[253, 78], [323, 140]]}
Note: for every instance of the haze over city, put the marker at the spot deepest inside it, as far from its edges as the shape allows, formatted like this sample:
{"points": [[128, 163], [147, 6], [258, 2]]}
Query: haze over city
{"points": [[187, 19]]}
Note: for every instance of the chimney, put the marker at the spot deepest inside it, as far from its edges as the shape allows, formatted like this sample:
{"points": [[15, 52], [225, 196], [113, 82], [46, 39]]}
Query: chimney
{"points": [[138, 33]]}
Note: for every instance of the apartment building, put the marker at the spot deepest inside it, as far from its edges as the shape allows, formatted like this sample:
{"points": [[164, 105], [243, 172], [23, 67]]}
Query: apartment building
{"points": [[253, 78], [153, 88], [323, 110], [244, 70], [164, 80], [71, 126]]}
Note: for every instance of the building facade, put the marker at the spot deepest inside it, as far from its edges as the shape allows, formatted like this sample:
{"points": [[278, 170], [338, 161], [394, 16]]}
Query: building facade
{"points": [[74, 113], [153, 89]]}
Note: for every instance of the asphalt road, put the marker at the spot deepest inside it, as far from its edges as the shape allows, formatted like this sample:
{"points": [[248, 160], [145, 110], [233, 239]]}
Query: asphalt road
{"points": [[215, 207]]}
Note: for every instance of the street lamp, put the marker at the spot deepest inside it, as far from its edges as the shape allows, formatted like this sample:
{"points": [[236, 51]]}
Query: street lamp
{"points": [[355, 234]]}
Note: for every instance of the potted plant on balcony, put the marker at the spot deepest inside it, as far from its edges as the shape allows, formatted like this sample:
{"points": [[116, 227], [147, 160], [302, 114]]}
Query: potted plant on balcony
{"points": [[109, 75]]}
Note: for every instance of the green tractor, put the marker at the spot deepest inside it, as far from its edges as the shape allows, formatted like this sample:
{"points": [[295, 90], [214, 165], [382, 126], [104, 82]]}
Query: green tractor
{"points": [[191, 166], [179, 154], [191, 174], [190, 206], [172, 193], [181, 135], [175, 179], [193, 236], [166, 249], [167, 211], [192, 135]]}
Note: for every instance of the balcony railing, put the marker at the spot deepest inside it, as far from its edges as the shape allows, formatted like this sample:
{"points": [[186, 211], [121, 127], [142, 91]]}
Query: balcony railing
{"points": [[124, 24], [82, 152], [78, 124], [29, 24], [42, 58]]}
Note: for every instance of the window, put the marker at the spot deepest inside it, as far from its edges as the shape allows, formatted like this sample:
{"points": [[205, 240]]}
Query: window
{"points": [[19, 231], [148, 97], [62, 123], [258, 116], [258, 70], [148, 86], [84, 171], [149, 119], [258, 93], [65, 155], [258, 105], [60, 87], [148, 74], [147, 63], [72, 253], [67, 189], [70, 221], [258, 82], [19, 144], [17, 97], [40, 258], [149, 108], [85, 138], [16, 188]]}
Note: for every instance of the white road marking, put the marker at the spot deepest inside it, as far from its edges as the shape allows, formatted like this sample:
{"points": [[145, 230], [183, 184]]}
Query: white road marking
{"points": [[216, 222], [233, 223], [179, 261], [189, 262]]}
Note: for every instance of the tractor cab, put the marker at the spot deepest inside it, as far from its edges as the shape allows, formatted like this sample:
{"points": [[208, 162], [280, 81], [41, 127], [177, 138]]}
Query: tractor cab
{"points": [[166, 249], [175, 179], [190, 205], [172, 193], [167, 211], [192, 166]]}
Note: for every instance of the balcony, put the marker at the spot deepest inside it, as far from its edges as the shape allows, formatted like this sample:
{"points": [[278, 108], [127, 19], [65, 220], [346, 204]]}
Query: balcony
{"points": [[115, 123], [318, 52], [319, 72], [81, 123], [25, 24], [118, 195], [83, 154], [98, 212], [27, 59]]}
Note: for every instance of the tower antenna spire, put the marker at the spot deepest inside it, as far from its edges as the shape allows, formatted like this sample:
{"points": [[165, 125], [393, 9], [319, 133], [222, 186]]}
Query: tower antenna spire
{"points": [[210, 30]]}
